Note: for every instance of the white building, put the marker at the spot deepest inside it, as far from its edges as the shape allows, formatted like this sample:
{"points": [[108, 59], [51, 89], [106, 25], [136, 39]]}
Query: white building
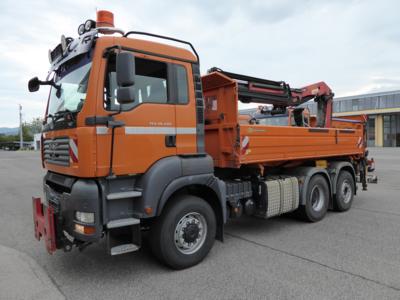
{"points": [[36, 141]]}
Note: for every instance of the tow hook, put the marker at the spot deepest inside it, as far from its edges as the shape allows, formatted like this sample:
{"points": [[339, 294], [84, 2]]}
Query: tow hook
{"points": [[67, 247]]}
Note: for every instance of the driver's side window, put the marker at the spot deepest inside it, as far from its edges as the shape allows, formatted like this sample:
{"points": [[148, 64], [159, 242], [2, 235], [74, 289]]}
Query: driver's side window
{"points": [[151, 83]]}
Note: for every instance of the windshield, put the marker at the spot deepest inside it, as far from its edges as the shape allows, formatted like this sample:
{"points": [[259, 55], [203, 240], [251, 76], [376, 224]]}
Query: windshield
{"points": [[72, 80]]}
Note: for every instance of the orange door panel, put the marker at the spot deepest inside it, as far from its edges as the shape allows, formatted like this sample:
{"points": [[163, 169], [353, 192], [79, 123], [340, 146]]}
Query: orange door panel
{"points": [[149, 130], [141, 142], [144, 138]]}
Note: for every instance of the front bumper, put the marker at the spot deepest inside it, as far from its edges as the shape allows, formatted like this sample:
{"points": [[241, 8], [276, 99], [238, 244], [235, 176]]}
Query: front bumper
{"points": [[56, 222], [43, 219], [54, 217]]}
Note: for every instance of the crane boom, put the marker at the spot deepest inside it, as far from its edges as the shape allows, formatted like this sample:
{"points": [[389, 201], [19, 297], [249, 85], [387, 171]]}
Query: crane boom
{"points": [[281, 95]]}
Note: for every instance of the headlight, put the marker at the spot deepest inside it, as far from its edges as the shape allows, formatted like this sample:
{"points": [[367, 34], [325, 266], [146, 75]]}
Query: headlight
{"points": [[84, 217], [81, 29], [63, 43], [89, 24]]}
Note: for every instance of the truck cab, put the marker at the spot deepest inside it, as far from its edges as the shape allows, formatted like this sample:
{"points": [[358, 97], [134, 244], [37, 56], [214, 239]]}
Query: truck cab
{"points": [[162, 106]]}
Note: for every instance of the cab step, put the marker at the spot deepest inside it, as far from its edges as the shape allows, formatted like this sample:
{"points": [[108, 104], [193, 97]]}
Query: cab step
{"points": [[123, 236], [122, 223], [124, 248], [124, 195]]}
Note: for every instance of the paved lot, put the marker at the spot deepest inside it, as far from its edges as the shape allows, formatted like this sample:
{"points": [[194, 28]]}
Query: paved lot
{"points": [[345, 256]]}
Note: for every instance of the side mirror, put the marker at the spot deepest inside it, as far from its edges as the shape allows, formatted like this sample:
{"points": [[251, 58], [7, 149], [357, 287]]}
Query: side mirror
{"points": [[126, 94], [125, 68], [34, 84]]}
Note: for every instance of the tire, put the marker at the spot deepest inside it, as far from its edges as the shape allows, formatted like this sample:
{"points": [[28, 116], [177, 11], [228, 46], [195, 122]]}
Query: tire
{"points": [[193, 220], [317, 199], [345, 188]]}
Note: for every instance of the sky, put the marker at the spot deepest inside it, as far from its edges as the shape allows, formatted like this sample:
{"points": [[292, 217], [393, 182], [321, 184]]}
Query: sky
{"points": [[354, 46]]}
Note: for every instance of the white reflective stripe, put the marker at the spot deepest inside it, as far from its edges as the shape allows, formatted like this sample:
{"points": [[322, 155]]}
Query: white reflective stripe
{"points": [[160, 130], [150, 130], [73, 147], [186, 130], [245, 142], [101, 130]]}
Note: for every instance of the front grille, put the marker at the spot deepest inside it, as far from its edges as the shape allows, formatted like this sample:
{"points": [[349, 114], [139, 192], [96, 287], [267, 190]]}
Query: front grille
{"points": [[56, 151]]}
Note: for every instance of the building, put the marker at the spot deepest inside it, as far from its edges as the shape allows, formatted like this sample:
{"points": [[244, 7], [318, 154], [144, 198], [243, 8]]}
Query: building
{"points": [[383, 110], [36, 141]]}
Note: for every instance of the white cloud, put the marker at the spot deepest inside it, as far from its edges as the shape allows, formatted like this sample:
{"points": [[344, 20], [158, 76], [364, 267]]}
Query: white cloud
{"points": [[352, 45]]}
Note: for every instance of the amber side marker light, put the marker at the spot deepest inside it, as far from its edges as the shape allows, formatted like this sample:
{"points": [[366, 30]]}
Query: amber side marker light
{"points": [[82, 229], [148, 210]]}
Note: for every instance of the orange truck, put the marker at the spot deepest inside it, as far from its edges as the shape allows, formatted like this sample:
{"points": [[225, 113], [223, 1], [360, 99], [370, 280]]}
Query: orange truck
{"points": [[136, 140]]}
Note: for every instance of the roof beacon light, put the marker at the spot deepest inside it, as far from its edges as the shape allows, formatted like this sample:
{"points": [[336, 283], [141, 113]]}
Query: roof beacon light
{"points": [[105, 18]]}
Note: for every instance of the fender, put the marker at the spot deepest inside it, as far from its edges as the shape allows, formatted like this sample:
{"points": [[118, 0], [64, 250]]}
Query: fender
{"points": [[206, 182], [172, 173], [334, 169], [304, 174]]}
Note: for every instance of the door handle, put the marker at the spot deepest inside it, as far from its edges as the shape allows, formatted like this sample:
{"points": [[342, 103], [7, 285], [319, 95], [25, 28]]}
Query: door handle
{"points": [[170, 140]]}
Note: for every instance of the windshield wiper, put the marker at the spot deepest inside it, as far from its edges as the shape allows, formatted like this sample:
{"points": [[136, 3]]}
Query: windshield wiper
{"points": [[60, 114], [63, 112]]}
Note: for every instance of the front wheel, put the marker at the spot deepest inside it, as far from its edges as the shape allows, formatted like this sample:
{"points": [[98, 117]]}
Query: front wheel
{"points": [[184, 233]]}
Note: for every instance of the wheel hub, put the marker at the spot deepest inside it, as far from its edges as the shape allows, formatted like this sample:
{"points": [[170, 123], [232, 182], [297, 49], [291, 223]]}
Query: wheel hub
{"points": [[317, 198], [346, 191], [190, 233]]}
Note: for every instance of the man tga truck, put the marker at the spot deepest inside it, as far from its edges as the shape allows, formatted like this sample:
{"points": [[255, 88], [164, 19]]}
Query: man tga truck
{"points": [[135, 140]]}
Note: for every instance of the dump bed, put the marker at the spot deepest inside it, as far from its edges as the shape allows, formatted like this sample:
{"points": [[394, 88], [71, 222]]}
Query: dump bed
{"points": [[232, 143]]}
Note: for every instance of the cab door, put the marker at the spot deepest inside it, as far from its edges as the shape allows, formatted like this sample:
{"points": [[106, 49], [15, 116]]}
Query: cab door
{"points": [[149, 130]]}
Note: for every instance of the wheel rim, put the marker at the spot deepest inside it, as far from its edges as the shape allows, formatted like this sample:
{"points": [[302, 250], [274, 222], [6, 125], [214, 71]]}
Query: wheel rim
{"points": [[346, 191], [317, 198], [190, 233]]}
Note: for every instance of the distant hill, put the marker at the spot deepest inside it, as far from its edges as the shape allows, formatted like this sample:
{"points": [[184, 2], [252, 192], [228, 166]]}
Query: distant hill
{"points": [[8, 130]]}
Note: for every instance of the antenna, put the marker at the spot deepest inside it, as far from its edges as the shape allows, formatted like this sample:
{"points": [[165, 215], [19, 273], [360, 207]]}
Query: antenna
{"points": [[21, 136]]}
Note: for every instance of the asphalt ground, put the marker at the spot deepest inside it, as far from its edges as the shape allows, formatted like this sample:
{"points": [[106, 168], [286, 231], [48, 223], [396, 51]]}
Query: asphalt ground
{"points": [[348, 255]]}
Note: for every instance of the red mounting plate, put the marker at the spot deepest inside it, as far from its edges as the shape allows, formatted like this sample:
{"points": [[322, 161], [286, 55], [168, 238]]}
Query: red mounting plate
{"points": [[43, 219]]}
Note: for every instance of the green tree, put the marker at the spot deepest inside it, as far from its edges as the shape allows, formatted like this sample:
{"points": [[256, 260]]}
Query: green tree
{"points": [[31, 128], [6, 138], [35, 126], [26, 132]]}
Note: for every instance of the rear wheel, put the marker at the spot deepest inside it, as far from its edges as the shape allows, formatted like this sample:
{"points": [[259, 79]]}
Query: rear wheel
{"points": [[317, 199], [345, 188], [184, 233]]}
